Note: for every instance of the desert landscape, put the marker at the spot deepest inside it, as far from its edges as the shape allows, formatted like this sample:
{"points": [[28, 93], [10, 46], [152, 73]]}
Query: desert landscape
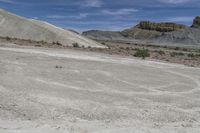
{"points": [[144, 79]]}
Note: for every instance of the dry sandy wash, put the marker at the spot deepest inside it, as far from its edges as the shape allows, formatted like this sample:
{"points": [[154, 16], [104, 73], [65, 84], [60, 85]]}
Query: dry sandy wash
{"points": [[61, 91]]}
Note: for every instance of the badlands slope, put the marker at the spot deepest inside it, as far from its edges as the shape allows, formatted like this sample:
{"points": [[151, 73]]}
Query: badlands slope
{"points": [[22, 28], [65, 91]]}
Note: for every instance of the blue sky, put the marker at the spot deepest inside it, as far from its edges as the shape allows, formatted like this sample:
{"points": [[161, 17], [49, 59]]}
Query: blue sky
{"points": [[84, 15]]}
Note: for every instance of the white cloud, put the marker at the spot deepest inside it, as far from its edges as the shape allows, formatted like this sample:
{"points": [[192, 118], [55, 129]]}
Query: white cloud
{"points": [[180, 19], [80, 16], [93, 3], [174, 1], [119, 12], [7, 1]]}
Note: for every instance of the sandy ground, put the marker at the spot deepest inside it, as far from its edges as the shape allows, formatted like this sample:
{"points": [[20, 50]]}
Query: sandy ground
{"points": [[60, 91]]}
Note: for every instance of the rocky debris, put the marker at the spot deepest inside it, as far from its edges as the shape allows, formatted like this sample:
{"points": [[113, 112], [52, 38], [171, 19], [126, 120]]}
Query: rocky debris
{"points": [[14, 26], [196, 22], [160, 27]]}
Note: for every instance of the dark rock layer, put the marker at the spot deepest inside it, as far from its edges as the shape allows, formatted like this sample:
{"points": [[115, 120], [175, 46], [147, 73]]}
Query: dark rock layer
{"points": [[196, 22], [161, 27]]}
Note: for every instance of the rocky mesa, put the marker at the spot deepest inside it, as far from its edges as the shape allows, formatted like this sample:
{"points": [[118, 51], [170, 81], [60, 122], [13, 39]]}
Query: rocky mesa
{"points": [[163, 33]]}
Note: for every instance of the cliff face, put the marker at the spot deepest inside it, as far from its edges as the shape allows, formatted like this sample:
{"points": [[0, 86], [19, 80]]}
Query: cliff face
{"points": [[151, 30], [160, 27], [196, 22]]}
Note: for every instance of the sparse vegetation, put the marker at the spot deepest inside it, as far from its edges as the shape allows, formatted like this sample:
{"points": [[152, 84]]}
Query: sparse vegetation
{"points": [[122, 48], [103, 43], [142, 53], [160, 52], [177, 48], [8, 38], [75, 45], [173, 54], [38, 45], [185, 49], [127, 48], [57, 43], [191, 55]]}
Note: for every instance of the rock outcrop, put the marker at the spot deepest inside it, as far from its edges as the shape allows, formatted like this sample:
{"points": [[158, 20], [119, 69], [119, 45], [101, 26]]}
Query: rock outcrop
{"points": [[147, 30], [196, 22], [160, 27]]}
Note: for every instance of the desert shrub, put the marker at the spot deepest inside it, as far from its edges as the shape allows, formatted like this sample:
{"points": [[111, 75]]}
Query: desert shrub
{"points": [[142, 53], [38, 45], [185, 49], [136, 49], [121, 48], [57, 43], [127, 48], [75, 45], [191, 55], [160, 52], [103, 43], [177, 48], [8, 38]]}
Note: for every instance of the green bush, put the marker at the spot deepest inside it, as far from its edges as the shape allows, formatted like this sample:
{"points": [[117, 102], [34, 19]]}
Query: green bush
{"points": [[142, 53]]}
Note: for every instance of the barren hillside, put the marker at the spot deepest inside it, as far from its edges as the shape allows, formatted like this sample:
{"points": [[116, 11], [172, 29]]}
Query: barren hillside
{"points": [[19, 27]]}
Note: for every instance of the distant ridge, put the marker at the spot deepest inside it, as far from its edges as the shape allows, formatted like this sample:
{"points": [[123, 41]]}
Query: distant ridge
{"points": [[15, 26], [146, 31]]}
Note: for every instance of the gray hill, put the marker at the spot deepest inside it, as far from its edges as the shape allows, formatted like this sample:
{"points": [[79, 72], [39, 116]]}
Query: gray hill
{"points": [[165, 33], [190, 36], [104, 35], [15, 26]]}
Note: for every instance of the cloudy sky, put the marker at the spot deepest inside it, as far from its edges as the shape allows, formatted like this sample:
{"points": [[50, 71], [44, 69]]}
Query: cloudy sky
{"points": [[84, 15]]}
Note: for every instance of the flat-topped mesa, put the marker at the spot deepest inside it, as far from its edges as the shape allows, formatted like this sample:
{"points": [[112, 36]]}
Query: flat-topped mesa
{"points": [[161, 27], [196, 22]]}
